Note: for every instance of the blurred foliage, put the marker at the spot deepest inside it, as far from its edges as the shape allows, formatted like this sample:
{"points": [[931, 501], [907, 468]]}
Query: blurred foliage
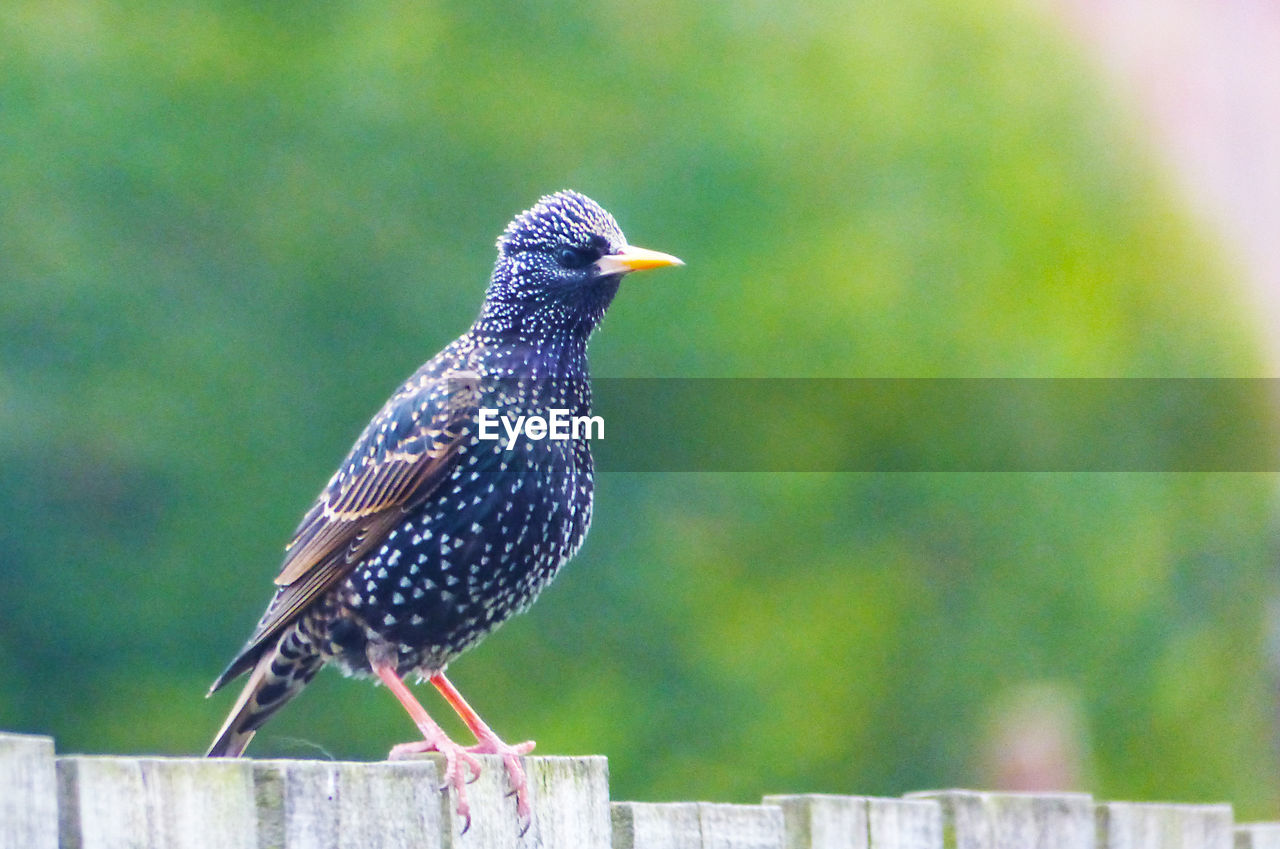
{"points": [[227, 230]]}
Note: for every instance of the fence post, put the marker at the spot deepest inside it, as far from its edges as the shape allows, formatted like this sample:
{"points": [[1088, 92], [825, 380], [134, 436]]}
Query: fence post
{"points": [[1258, 835], [904, 824], [973, 820], [28, 793], [740, 826], [819, 821], [1145, 825], [156, 803], [569, 795], [330, 804], [696, 825], [656, 825]]}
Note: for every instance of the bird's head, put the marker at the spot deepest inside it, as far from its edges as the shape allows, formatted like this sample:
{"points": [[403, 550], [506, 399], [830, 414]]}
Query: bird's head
{"points": [[559, 266]]}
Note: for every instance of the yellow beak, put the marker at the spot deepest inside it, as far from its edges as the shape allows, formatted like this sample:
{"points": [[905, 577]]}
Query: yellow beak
{"points": [[632, 258]]}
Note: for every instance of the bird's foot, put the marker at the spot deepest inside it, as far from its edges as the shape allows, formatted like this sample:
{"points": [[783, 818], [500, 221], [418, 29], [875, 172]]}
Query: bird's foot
{"points": [[491, 744], [456, 757]]}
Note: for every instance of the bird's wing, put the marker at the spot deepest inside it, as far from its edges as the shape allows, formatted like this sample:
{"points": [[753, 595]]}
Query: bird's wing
{"points": [[402, 456]]}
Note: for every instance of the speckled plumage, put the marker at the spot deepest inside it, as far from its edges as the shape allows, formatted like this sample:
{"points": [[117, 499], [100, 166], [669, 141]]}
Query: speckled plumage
{"points": [[427, 537]]}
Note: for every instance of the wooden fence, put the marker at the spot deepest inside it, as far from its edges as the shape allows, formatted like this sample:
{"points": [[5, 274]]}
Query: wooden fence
{"points": [[98, 802]]}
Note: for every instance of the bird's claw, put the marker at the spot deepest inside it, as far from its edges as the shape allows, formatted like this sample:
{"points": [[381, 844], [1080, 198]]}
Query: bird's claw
{"points": [[526, 820], [455, 756], [455, 776], [511, 755]]}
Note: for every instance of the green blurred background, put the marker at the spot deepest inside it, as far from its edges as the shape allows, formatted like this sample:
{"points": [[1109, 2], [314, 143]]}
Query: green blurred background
{"points": [[227, 231]]}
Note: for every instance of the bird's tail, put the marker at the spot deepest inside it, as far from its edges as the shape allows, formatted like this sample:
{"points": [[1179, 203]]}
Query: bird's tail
{"points": [[279, 675]]}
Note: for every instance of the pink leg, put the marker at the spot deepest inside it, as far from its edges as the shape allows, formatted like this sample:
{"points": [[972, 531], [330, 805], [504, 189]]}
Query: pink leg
{"points": [[435, 740], [490, 744]]}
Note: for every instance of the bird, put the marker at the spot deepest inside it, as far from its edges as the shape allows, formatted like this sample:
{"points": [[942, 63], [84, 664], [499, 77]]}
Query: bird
{"points": [[431, 533]]}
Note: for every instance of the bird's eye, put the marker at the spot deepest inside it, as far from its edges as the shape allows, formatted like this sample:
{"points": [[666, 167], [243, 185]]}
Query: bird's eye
{"points": [[571, 257]]}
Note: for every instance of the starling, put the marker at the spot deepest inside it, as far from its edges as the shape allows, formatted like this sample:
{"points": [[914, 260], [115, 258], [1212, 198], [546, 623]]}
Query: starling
{"points": [[432, 533]]}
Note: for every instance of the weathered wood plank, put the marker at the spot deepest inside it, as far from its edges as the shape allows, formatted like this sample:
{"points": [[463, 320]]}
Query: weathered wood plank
{"points": [[1144, 825], [570, 799], [101, 803], [904, 824], [156, 803], [656, 825], [973, 820], [816, 821], [569, 795], [329, 805], [1257, 835], [740, 826], [696, 825], [819, 821], [28, 793]]}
